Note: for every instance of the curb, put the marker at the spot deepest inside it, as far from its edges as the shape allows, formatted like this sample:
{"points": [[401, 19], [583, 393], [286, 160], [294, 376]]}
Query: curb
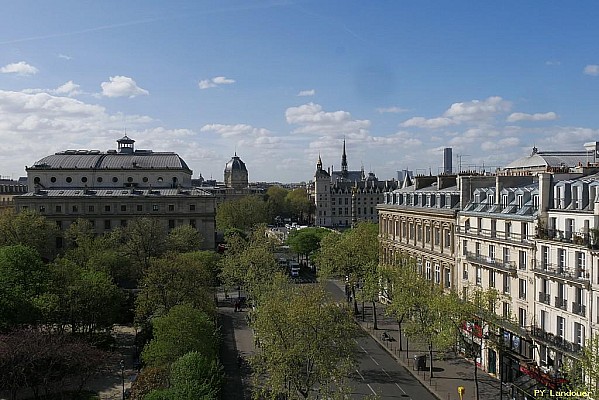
{"points": [[423, 382]]}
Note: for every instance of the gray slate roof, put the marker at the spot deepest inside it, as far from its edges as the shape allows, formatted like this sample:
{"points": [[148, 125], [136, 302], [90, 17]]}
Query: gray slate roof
{"points": [[119, 193], [137, 160]]}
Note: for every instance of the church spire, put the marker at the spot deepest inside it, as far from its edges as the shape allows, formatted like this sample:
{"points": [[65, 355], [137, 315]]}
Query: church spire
{"points": [[344, 161], [319, 163]]}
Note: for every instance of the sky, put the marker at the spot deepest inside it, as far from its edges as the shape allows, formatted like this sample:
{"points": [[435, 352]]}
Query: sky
{"points": [[281, 82]]}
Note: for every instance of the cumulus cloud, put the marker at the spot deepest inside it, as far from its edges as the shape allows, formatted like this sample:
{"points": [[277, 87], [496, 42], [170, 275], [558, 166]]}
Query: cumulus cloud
{"points": [[477, 110], [214, 82], [312, 119], [122, 86], [431, 123], [306, 93], [591, 69], [548, 116], [394, 110], [20, 68], [69, 89], [234, 130]]}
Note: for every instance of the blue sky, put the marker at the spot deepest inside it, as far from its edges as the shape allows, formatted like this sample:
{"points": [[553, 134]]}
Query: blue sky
{"points": [[281, 82]]}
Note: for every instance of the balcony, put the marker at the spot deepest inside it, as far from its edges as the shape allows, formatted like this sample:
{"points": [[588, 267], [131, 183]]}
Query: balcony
{"points": [[580, 238], [579, 309], [495, 234], [553, 340], [544, 298], [495, 263], [561, 303], [562, 272]]}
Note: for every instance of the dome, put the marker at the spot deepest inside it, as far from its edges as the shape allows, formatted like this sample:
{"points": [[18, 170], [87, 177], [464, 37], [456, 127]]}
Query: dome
{"points": [[235, 164]]}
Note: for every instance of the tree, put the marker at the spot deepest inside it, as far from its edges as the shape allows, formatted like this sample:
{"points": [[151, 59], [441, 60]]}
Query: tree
{"points": [[177, 279], [584, 372], [85, 299], [350, 255], [143, 239], [29, 229], [276, 202], [300, 204], [306, 341], [243, 213], [306, 241], [184, 238], [182, 330], [23, 277], [149, 380]]}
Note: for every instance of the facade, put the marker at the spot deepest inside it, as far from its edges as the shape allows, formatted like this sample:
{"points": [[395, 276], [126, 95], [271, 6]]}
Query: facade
{"points": [[8, 190], [533, 237], [342, 198], [109, 188]]}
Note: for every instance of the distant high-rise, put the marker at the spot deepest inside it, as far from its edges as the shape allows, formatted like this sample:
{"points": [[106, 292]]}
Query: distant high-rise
{"points": [[447, 156]]}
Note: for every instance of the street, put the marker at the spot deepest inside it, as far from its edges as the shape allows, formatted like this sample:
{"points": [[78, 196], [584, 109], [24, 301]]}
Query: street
{"points": [[377, 373]]}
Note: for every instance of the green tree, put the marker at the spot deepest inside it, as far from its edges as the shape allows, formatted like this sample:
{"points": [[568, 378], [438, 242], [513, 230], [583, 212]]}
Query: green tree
{"points": [[149, 380], [143, 238], [300, 204], [243, 213], [276, 202], [29, 229], [306, 341], [85, 299], [350, 255], [182, 330], [184, 238], [184, 278], [196, 376], [23, 277], [584, 372], [306, 241]]}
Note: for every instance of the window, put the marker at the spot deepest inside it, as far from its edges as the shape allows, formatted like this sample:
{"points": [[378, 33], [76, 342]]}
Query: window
{"points": [[155, 207], [192, 223], [524, 230], [493, 228], [140, 207], [437, 273], [464, 247], [427, 234], [580, 263], [508, 229], [535, 201], [447, 243], [559, 328], [544, 256], [84, 179], [506, 255], [171, 224], [123, 223], [99, 179], [507, 313], [465, 272], [437, 236], [477, 249], [428, 270], [129, 179], [543, 320], [59, 224], [107, 208], [479, 276], [522, 259], [115, 179], [520, 201], [504, 200], [522, 317], [447, 277], [123, 207], [107, 224], [491, 252], [491, 278], [506, 284], [171, 207], [58, 209], [578, 334], [561, 260], [145, 179], [91, 208], [75, 209], [69, 179], [522, 289], [53, 179], [159, 179]]}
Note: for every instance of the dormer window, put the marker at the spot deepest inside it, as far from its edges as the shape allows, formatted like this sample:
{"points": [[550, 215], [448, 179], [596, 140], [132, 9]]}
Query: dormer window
{"points": [[535, 201], [520, 201], [504, 200]]}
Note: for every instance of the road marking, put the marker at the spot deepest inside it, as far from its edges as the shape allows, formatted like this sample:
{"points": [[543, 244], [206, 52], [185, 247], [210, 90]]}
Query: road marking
{"points": [[386, 373], [360, 374], [397, 384], [363, 349], [374, 360], [371, 389]]}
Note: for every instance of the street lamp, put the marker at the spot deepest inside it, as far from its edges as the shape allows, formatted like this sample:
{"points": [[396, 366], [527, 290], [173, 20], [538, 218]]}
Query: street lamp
{"points": [[122, 365]]}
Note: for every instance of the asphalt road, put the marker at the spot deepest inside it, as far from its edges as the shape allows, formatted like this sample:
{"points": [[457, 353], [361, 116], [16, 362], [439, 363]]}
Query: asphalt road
{"points": [[378, 375]]}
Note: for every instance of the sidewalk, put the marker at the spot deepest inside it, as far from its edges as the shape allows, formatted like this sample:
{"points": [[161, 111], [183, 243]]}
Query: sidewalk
{"points": [[449, 371], [237, 340]]}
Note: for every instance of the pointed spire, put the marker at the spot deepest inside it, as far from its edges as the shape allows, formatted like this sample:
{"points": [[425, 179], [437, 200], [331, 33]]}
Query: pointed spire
{"points": [[344, 161]]}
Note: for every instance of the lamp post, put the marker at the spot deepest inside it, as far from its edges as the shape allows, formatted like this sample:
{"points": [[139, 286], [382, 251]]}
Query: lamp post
{"points": [[122, 365]]}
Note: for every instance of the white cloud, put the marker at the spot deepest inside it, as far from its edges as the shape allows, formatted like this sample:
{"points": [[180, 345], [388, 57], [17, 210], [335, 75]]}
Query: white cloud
{"points": [[477, 110], [122, 86], [431, 123], [591, 69], [394, 110], [548, 116], [214, 82], [312, 119], [65, 57], [20, 68], [501, 145], [234, 130], [305, 93], [553, 63]]}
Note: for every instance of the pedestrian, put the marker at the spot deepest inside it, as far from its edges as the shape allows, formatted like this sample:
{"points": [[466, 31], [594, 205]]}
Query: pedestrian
{"points": [[236, 305]]}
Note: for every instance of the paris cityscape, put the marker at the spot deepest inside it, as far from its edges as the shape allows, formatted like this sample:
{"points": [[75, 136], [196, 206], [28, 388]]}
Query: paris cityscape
{"points": [[279, 199]]}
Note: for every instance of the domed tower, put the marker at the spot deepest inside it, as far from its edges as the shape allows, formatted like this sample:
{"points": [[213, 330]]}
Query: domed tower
{"points": [[125, 145], [236, 174]]}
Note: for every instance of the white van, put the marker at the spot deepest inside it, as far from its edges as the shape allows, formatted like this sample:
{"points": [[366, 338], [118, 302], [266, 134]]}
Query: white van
{"points": [[294, 268]]}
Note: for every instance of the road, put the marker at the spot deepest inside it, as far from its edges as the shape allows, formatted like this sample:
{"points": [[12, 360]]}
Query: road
{"points": [[378, 374]]}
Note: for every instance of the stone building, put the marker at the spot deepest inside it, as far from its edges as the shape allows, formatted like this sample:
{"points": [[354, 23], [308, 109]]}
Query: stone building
{"points": [[110, 188], [8, 190]]}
